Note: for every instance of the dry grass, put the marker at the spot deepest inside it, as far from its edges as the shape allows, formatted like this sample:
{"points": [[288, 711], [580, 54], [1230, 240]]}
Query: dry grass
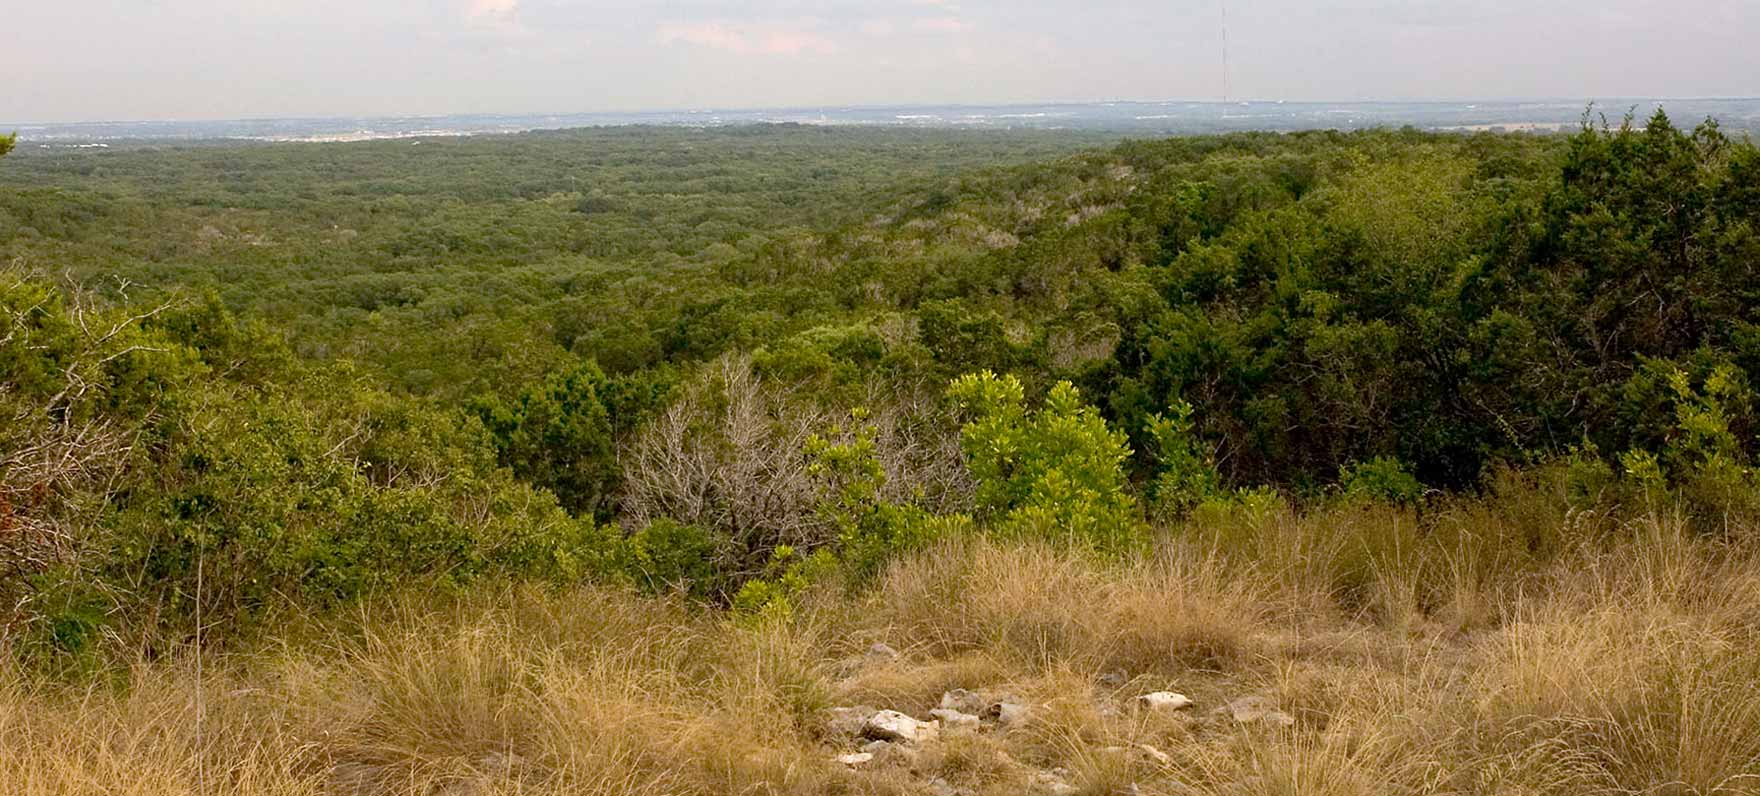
{"points": [[1503, 647]]}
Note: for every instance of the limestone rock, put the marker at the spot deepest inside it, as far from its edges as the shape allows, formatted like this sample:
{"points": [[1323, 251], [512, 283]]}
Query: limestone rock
{"points": [[848, 722], [954, 719], [964, 701], [1140, 751], [891, 725], [1167, 701], [891, 754], [1006, 714], [941, 787], [1153, 755], [1052, 783]]}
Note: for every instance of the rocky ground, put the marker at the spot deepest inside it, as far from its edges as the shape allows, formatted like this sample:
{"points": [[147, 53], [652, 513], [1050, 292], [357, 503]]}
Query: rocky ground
{"points": [[871, 738]]}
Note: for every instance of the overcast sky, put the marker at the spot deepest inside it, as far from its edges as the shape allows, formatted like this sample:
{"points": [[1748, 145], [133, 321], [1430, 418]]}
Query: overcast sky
{"points": [[85, 60]]}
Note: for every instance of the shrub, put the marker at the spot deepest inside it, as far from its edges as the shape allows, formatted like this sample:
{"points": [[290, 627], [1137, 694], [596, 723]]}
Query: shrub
{"points": [[201, 471], [668, 556], [1382, 478], [1186, 477], [1054, 472], [870, 530]]}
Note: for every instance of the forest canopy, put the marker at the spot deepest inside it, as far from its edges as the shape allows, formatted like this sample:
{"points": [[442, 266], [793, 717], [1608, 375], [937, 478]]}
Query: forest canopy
{"points": [[726, 362]]}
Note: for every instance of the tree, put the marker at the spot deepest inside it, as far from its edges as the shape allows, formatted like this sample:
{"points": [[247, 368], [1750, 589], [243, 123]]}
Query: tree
{"points": [[562, 434], [6, 143]]}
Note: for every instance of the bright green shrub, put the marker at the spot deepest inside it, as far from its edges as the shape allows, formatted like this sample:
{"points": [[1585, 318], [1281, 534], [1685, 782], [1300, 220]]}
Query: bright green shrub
{"points": [[788, 575], [870, 530], [1053, 472], [1382, 478], [1704, 460], [1185, 475]]}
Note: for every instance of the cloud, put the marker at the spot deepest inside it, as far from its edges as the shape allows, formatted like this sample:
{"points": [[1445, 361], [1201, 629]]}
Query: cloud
{"points": [[749, 39], [496, 18], [942, 25], [492, 10]]}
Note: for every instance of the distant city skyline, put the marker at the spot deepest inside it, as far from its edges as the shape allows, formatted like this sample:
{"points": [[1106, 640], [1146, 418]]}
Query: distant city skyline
{"points": [[101, 60]]}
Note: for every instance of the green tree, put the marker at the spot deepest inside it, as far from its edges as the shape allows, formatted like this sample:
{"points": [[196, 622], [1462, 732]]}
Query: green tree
{"points": [[561, 434]]}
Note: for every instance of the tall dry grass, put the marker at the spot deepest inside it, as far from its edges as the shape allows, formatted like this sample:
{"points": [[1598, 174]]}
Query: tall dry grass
{"points": [[1501, 646]]}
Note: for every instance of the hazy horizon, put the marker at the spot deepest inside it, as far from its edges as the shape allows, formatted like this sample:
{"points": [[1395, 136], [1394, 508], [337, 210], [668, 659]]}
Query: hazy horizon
{"points": [[194, 60], [1611, 110]]}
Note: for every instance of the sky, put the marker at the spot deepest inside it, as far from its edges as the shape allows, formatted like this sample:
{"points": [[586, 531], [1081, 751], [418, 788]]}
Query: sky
{"points": [[93, 60]]}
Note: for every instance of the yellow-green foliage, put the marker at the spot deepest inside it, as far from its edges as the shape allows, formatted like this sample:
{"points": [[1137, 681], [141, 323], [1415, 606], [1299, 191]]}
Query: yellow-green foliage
{"points": [[1054, 472]]}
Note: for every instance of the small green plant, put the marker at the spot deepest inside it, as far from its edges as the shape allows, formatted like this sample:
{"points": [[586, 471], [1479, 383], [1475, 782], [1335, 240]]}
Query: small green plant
{"points": [[1705, 460], [1588, 478], [870, 529], [1382, 478], [1186, 476], [1054, 472], [788, 575], [1702, 416]]}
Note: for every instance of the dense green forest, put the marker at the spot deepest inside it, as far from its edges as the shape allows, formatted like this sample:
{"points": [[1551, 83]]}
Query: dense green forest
{"points": [[242, 380], [503, 250]]}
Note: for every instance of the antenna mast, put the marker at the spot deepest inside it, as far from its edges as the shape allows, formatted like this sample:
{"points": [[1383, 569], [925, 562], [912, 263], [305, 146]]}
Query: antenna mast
{"points": [[1225, 86]]}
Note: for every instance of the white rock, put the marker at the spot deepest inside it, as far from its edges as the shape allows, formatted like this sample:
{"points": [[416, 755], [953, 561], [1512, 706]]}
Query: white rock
{"points": [[891, 725], [848, 722], [881, 651], [964, 701], [855, 758], [889, 753], [954, 720], [1278, 718], [1165, 701], [1007, 713], [1140, 751]]}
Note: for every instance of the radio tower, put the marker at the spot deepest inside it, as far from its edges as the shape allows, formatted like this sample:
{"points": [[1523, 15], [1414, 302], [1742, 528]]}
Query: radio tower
{"points": [[1225, 86]]}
